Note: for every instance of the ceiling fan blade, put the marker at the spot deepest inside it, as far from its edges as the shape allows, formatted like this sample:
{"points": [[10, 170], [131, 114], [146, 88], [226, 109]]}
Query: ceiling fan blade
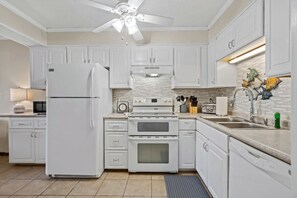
{"points": [[105, 26], [137, 36], [135, 3], [96, 5], [166, 21]]}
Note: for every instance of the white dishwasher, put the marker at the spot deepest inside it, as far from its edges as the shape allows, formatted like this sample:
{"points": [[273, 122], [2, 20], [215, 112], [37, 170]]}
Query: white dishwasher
{"points": [[256, 174]]}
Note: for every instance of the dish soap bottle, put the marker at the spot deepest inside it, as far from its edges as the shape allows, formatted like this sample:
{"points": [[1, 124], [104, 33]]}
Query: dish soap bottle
{"points": [[277, 120]]}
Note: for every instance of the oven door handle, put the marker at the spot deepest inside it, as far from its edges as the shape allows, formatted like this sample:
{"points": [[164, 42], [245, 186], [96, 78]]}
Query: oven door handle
{"points": [[153, 138]]}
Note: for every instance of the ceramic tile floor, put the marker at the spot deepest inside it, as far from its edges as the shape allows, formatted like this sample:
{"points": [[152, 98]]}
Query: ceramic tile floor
{"points": [[30, 181]]}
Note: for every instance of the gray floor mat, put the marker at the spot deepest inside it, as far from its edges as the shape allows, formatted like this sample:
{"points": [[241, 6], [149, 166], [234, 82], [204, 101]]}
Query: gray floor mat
{"points": [[182, 186]]}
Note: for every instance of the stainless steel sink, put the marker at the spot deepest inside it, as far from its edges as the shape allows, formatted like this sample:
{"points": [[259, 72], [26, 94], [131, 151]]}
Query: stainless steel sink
{"points": [[229, 119], [242, 125]]}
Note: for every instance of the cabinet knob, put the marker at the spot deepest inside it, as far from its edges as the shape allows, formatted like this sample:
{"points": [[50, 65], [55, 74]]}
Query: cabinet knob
{"points": [[233, 43], [229, 45], [32, 135]]}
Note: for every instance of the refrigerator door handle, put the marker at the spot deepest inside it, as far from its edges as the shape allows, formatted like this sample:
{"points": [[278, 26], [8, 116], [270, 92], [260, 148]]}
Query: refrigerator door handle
{"points": [[92, 97]]}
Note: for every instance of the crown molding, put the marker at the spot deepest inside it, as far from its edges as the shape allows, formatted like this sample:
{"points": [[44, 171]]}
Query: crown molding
{"points": [[18, 12], [144, 29], [220, 13]]}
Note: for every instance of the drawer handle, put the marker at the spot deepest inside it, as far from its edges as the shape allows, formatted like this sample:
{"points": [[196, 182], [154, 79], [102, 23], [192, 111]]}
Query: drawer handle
{"points": [[116, 141], [116, 160], [115, 126], [21, 124], [253, 154]]}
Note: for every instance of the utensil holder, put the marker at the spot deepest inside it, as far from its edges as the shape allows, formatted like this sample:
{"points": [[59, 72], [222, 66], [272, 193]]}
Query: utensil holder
{"points": [[183, 108]]}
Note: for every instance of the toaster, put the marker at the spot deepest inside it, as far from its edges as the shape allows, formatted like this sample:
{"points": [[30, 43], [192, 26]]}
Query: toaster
{"points": [[209, 108]]}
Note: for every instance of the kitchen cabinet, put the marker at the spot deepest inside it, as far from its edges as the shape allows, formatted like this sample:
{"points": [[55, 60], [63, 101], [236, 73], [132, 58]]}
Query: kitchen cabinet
{"points": [[120, 69], [57, 54], [38, 66], [186, 144], [77, 54], [116, 143], [98, 54], [212, 159], [189, 65], [160, 56], [27, 138], [245, 29], [211, 64], [278, 37]]}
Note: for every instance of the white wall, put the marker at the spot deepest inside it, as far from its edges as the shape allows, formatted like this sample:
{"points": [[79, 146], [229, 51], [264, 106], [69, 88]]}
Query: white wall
{"points": [[14, 72]]}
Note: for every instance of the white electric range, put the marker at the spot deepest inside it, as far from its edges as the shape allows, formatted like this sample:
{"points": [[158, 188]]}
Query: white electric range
{"points": [[153, 136]]}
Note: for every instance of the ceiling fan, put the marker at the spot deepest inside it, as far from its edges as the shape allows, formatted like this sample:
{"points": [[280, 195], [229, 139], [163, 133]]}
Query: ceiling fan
{"points": [[128, 17]]}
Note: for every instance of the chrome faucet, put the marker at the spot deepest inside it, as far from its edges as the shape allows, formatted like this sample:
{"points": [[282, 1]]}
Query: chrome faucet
{"points": [[250, 94]]}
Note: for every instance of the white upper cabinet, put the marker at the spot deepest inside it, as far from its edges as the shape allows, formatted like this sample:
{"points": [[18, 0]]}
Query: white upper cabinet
{"points": [[248, 27], [99, 55], [57, 55], [38, 59], [211, 64], [278, 37], [77, 54], [160, 56], [120, 69], [188, 66]]}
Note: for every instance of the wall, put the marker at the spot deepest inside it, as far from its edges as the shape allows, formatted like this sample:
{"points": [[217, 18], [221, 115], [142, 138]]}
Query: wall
{"points": [[14, 72], [279, 102], [111, 37], [161, 87], [234, 10]]}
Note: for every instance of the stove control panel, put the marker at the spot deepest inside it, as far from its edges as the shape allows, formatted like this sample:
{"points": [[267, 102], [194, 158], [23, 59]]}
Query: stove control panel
{"points": [[151, 101]]}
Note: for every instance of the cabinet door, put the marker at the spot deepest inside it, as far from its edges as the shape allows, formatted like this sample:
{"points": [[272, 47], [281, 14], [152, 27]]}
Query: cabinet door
{"points": [[38, 57], [201, 156], [99, 55], [77, 54], [40, 145], [57, 55], [278, 37], [187, 149], [141, 56], [249, 26], [21, 146], [162, 56], [211, 63], [217, 174], [187, 67], [119, 68], [224, 42]]}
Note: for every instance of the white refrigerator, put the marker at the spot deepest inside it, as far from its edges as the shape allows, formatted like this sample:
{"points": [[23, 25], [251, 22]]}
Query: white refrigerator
{"points": [[78, 96]]}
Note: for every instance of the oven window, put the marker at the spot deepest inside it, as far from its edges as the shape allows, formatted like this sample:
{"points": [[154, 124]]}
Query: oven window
{"points": [[153, 126], [153, 153]]}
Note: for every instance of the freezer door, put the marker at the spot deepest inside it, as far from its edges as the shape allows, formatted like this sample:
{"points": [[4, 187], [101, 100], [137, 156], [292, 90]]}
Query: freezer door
{"points": [[73, 80], [72, 137]]}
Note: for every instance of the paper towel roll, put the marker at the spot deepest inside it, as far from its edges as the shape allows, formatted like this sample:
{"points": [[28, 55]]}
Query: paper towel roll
{"points": [[222, 106]]}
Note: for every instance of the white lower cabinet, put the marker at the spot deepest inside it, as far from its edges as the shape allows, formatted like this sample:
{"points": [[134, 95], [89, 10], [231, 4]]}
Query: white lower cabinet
{"points": [[186, 150], [212, 159], [116, 144], [26, 140]]}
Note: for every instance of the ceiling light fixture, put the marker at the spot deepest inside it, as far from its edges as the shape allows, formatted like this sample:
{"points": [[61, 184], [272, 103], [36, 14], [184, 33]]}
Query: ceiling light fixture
{"points": [[249, 54], [118, 25]]}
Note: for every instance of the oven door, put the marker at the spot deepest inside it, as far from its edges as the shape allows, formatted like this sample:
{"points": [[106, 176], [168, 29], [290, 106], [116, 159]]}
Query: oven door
{"points": [[153, 154], [153, 126]]}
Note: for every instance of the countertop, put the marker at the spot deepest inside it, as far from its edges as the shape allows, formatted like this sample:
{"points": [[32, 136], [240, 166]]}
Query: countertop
{"points": [[275, 142], [26, 114]]}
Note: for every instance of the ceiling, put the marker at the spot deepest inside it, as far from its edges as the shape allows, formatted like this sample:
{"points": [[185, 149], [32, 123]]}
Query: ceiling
{"points": [[63, 15]]}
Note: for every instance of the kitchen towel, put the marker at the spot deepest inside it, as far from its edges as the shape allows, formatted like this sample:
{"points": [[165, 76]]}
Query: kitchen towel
{"points": [[222, 106]]}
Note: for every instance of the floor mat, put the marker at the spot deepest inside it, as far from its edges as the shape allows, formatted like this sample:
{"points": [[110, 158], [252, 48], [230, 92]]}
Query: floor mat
{"points": [[183, 186]]}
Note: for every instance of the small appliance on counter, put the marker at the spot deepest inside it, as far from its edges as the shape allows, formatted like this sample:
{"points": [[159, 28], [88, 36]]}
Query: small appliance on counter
{"points": [[222, 106], [209, 108], [39, 107]]}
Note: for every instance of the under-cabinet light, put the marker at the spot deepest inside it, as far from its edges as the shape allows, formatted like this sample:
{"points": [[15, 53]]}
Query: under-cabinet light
{"points": [[249, 54]]}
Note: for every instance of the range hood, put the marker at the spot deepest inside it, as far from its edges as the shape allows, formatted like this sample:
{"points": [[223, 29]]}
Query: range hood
{"points": [[152, 70]]}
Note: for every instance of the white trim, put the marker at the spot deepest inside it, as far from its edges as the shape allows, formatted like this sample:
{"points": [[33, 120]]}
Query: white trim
{"points": [[31, 40], [3, 38], [18, 12], [144, 29], [220, 13]]}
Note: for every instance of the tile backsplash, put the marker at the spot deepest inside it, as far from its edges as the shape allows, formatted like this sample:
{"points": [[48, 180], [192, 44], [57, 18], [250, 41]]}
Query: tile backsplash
{"points": [[161, 87], [154, 87], [279, 102]]}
